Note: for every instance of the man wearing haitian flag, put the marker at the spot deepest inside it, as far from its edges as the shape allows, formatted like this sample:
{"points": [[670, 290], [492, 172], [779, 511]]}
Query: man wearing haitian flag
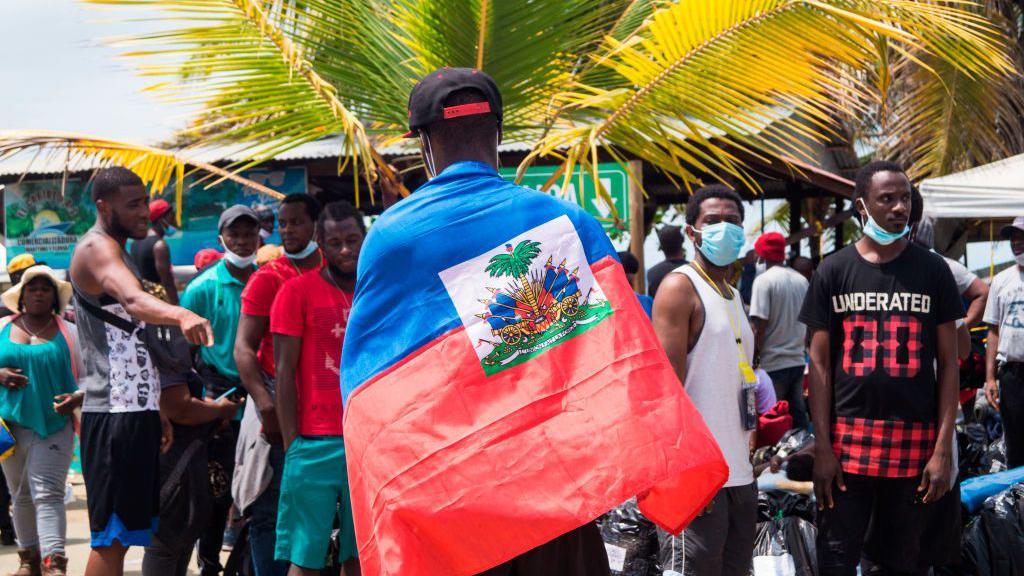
{"points": [[503, 387]]}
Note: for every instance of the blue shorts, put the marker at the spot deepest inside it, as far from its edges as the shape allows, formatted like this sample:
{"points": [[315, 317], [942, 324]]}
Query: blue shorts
{"points": [[315, 476]]}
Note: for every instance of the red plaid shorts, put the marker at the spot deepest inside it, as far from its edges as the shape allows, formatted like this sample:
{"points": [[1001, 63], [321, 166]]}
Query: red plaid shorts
{"points": [[883, 448]]}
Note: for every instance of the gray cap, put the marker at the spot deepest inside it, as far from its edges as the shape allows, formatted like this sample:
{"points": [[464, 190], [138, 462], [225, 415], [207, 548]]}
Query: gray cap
{"points": [[1018, 224], [228, 217]]}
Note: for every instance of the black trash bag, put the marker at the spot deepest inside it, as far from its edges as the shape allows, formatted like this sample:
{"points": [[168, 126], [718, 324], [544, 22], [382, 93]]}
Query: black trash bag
{"points": [[783, 542], [670, 554], [631, 541], [767, 507], [801, 536], [994, 459], [793, 441], [972, 440], [993, 543], [785, 504], [762, 455]]}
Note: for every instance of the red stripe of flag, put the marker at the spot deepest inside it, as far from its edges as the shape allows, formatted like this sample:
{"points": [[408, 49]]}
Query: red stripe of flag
{"points": [[454, 472]]}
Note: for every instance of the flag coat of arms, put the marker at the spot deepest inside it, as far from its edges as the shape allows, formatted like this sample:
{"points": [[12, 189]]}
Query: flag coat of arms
{"points": [[503, 385]]}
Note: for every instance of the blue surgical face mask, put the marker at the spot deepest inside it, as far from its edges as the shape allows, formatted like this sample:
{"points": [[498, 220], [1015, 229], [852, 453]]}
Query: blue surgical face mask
{"points": [[170, 231], [721, 243], [309, 249], [877, 233]]}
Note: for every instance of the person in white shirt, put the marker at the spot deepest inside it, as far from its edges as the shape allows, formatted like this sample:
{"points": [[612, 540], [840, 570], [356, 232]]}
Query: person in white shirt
{"points": [[700, 322], [777, 295]]}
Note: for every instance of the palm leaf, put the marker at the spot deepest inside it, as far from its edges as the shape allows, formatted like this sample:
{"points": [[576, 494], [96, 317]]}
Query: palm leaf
{"points": [[704, 76], [257, 68], [527, 46], [944, 120], [155, 166]]}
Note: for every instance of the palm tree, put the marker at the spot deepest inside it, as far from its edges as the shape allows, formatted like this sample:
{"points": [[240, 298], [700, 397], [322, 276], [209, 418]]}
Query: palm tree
{"points": [[681, 84], [516, 263]]}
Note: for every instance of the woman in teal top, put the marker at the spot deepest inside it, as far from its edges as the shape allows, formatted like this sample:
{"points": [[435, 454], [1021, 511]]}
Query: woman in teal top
{"points": [[38, 395]]}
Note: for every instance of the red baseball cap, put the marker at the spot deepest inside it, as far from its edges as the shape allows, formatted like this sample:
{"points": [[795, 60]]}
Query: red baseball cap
{"points": [[771, 246], [205, 257], [158, 209]]}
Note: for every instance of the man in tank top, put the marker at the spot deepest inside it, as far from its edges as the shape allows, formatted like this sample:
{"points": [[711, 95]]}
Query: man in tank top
{"points": [[700, 322], [122, 430]]}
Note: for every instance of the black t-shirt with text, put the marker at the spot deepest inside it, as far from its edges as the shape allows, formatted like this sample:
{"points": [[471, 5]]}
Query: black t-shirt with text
{"points": [[882, 322]]}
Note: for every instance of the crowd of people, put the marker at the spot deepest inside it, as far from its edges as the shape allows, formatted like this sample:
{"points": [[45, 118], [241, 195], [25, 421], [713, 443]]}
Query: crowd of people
{"points": [[213, 416]]}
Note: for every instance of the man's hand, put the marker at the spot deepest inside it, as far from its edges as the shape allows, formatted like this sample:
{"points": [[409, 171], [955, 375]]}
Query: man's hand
{"points": [[271, 428], [827, 472], [935, 479], [228, 408], [197, 330], [992, 393], [65, 404], [167, 434]]}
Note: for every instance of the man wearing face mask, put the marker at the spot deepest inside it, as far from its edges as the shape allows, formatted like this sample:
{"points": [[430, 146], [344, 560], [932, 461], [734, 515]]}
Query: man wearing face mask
{"points": [[884, 384], [216, 294], [701, 324], [777, 294], [261, 455], [1004, 360], [152, 255]]}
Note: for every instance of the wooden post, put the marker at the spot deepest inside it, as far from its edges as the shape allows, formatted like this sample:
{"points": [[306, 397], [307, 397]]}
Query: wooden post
{"points": [[795, 213], [840, 205], [636, 224]]}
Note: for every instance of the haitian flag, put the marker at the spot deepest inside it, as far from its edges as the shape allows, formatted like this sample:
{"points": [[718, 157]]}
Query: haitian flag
{"points": [[503, 385]]}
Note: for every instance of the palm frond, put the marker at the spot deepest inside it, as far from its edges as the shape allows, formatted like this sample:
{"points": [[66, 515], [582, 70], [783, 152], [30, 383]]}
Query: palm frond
{"points": [[944, 120], [155, 166], [527, 46], [761, 76], [264, 71]]}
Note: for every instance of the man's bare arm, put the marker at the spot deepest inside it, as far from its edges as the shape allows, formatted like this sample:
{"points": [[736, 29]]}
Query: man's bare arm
{"points": [[162, 259], [963, 342], [759, 326], [827, 471], [991, 380], [178, 404], [935, 479], [977, 293], [286, 359], [673, 307], [247, 342], [100, 269]]}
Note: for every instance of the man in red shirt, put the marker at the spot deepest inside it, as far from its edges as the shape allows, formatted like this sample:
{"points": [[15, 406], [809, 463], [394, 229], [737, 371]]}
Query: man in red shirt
{"points": [[254, 355], [308, 321]]}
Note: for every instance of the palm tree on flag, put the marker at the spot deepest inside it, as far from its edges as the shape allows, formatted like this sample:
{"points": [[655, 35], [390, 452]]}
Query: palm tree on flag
{"points": [[516, 263]]}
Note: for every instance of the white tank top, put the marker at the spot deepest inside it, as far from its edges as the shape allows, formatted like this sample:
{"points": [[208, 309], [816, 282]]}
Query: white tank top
{"points": [[713, 379]]}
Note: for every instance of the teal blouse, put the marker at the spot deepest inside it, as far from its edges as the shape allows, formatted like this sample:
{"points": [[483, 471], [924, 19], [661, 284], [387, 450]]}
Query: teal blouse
{"points": [[48, 369]]}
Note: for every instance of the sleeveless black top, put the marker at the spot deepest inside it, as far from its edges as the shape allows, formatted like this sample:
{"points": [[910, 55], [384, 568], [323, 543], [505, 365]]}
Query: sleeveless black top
{"points": [[142, 256]]}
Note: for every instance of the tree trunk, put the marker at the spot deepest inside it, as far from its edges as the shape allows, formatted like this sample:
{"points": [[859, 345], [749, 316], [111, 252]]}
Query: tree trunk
{"points": [[531, 298]]}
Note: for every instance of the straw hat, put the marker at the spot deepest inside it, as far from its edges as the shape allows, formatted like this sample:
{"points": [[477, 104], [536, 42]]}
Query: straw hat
{"points": [[12, 296]]}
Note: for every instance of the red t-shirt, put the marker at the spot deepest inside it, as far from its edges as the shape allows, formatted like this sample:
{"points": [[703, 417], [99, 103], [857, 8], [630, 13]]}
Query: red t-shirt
{"points": [[258, 298], [311, 308]]}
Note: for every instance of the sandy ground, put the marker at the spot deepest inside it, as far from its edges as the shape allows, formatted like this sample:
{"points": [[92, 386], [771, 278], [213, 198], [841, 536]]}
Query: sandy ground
{"points": [[78, 541]]}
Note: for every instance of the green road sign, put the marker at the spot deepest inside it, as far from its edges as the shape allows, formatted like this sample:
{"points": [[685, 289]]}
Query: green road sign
{"points": [[581, 189]]}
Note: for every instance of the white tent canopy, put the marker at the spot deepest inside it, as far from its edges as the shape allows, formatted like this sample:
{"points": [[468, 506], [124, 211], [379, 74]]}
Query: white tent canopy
{"points": [[994, 190]]}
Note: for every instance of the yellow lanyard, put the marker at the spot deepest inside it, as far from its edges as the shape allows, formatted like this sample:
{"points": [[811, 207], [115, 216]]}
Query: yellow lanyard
{"points": [[745, 370]]}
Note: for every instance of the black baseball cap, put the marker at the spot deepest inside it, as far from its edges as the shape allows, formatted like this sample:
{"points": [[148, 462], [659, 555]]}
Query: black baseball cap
{"points": [[229, 216], [426, 101]]}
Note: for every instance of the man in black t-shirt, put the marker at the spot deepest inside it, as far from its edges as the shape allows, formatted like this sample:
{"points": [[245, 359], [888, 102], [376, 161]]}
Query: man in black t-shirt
{"points": [[883, 382], [670, 239]]}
